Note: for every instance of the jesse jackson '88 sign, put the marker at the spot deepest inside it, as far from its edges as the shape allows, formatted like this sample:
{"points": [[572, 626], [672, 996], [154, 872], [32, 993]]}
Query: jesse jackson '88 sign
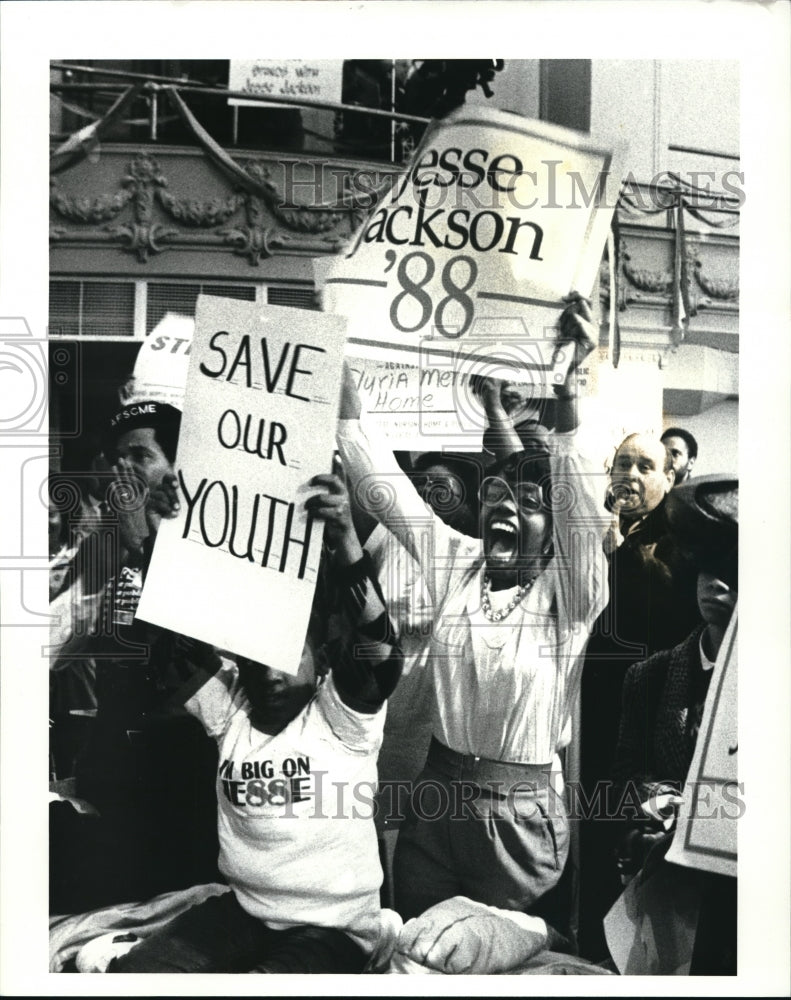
{"points": [[496, 219]]}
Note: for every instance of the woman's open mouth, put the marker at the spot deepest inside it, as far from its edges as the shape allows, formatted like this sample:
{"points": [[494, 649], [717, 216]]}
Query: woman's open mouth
{"points": [[502, 539]]}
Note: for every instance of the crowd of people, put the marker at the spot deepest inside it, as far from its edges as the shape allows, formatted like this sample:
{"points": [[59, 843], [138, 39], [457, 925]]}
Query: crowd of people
{"points": [[454, 630]]}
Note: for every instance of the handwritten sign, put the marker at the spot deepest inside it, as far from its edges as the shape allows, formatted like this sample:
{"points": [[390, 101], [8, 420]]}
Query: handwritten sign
{"points": [[425, 408], [705, 836], [162, 362], [471, 252], [260, 411], [305, 79]]}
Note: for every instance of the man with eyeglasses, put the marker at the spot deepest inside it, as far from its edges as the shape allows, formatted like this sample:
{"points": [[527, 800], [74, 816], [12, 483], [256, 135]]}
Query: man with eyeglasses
{"points": [[512, 614]]}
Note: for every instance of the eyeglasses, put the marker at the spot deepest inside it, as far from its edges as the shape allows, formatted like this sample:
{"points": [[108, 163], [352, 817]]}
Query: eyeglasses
{"points": [[527, 496]]}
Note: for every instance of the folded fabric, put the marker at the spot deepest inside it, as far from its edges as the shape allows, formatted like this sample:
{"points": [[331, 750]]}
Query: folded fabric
{"points": [[69, 934], [97, 954], [461, 936]]}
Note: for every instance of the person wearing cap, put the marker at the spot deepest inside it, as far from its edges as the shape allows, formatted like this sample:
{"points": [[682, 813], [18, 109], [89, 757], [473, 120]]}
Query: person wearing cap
{"points": [[512, 615], [683, 450], [147, 766], [665, 695]]}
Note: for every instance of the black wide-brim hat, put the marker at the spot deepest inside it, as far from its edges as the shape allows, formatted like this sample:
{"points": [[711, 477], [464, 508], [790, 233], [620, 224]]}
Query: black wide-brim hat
{"points": [[703, 517]]}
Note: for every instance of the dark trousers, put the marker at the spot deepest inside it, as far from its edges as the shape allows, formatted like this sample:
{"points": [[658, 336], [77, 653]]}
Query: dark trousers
{"points": [[155, 792], [492, 831], [219, 936]]}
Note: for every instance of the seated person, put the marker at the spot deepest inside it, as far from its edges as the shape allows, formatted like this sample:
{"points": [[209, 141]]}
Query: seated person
{"points": [[295, 786]]}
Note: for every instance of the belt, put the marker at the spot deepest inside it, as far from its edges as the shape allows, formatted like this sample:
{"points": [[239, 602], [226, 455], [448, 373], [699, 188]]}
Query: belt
{"points": [[468, 767]]}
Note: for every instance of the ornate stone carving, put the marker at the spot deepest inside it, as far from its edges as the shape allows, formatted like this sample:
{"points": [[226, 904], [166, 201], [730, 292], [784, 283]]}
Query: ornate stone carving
{"points": [[145, 217], [298, 218], [251, 240], [643, 279], [198, 213], [99, 208], [142, 239], [143, 236], [720, 289]]}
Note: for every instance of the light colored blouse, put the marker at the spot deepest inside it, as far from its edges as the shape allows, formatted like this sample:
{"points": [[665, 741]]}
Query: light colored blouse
{"points": [[503, 690]]}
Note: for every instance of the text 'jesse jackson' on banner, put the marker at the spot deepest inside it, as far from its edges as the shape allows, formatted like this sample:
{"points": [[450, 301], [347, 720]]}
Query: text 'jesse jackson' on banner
{"points": [[468, 257]]}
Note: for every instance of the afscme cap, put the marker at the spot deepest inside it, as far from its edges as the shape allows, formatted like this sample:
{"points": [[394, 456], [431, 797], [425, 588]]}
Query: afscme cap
{"points": [[143, 413]]}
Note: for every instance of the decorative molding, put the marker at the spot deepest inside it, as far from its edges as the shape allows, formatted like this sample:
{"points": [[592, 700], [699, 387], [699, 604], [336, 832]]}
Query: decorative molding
{"points": [[250, 241], [298, 218], [197, 213], [143, 236], [99, 208], [643, 279], [719, 289], [142, 240], [269, 225]]}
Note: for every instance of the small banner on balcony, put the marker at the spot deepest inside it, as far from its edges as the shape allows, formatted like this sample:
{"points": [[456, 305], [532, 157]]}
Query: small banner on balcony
{"points": [[465, 262], [305, 80], [260, 411]]}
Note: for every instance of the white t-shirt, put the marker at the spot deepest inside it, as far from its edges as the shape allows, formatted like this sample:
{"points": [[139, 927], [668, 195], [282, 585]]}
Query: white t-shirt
{"points": [[503, 690], [297, 838]]}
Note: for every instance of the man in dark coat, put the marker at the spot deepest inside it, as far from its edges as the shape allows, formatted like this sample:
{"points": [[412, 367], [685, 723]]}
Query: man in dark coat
{"points": [[652, 607]]}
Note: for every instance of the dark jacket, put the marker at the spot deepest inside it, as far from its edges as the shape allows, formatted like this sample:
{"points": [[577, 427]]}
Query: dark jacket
{"points": [[663, 699]]}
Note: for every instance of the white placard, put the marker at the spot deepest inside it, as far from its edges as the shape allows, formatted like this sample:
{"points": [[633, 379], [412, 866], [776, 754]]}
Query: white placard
{"points": [[705, 834], [471, 252], [298, 79], [427, 408], [260, 411], [162, 363]]}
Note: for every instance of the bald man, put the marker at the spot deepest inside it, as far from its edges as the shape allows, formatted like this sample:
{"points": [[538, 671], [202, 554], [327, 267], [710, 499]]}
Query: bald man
{"points": [[652, 607]]}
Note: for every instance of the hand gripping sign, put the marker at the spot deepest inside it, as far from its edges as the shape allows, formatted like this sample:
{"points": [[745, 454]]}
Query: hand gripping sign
{"points": [[496, 219], [260, 408]]}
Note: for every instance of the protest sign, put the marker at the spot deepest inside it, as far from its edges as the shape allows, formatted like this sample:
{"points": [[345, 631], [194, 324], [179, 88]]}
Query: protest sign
{"points": [[427, 407], [260, 410], [472, 250], [705, 836], [650, 930], [305, 79], [161, 366]]}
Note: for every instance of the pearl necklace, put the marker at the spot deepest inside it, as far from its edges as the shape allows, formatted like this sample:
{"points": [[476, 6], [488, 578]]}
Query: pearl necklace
{"points": [[486, 604]]}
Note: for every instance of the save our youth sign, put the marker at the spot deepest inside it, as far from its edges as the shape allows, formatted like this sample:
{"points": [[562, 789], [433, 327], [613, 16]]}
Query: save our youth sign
{"points": [[260, 411], [467, 259]]}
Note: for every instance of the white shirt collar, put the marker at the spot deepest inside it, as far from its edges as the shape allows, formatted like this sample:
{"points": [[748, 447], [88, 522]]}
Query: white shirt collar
{"points": [[705, 662]]}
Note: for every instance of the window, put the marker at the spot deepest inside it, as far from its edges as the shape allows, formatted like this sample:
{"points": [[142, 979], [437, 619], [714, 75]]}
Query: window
{"points": [[91, 308], [295, 297], [165, 297], [111, 310]]}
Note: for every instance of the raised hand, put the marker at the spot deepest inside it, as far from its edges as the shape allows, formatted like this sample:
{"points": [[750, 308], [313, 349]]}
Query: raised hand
{"points": [[332, 506]]}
